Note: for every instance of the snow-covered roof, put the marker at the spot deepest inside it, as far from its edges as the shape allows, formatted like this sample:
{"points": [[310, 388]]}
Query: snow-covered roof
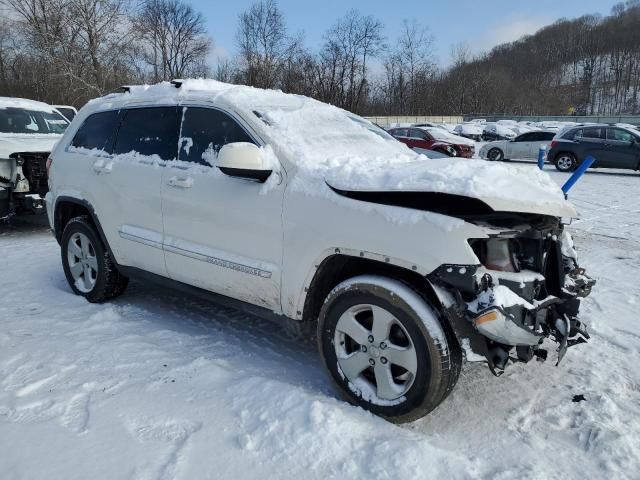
{"points": [[13, 102], [325, 142]]}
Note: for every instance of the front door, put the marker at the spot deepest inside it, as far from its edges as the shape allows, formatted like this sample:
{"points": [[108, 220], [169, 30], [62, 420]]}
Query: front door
{"points": [[223, 234], [622, 149]]}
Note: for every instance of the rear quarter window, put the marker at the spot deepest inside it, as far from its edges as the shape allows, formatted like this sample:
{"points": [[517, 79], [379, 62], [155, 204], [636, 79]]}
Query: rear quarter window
{"points": [[98, 131]]}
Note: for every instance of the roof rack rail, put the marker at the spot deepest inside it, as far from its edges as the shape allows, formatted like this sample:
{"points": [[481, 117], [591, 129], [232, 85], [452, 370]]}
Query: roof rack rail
{"points": [[177, 83]]}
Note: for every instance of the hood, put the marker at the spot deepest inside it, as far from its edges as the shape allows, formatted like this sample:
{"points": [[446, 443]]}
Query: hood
{"points": [[503, 188], [26, 142]]}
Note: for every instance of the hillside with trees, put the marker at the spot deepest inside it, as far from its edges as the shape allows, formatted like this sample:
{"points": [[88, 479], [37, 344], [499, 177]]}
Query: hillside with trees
{"points": [[69, 51]]}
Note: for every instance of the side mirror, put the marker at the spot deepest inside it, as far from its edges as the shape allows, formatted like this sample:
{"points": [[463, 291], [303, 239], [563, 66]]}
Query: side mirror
{"points": [[243, 160]]}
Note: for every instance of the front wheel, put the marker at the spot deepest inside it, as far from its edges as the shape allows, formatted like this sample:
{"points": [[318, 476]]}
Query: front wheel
{"points": [[565, 162], [386, 349], [87, 264]]}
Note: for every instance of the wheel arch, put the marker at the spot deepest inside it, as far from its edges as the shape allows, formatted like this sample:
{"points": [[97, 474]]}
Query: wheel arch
{"points": [[338, 267], [67, 208]]}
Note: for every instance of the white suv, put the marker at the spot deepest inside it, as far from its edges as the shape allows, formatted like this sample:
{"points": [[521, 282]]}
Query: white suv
{"points": [[307, 213]]}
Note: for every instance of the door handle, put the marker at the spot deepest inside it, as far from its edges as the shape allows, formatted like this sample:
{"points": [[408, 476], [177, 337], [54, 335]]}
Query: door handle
{"points": [[182, 182]]}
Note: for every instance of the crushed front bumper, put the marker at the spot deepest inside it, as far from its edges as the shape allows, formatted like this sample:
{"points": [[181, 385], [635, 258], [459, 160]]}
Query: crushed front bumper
{"points": [[496, 314]]}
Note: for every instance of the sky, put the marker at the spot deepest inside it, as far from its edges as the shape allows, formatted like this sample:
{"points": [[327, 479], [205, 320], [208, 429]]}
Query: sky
{"points": [[483, 24]]}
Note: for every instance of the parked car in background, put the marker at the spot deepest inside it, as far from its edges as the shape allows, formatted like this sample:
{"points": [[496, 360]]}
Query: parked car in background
{"points": [[523, 147], [612, 147], [426, 139], [494, 131], [28, 132], [67, 111], [472, 130], [401, 267]]}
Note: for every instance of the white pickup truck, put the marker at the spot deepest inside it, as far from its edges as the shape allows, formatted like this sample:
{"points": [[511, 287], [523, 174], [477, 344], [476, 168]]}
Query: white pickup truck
{"points": [[28, 132]]}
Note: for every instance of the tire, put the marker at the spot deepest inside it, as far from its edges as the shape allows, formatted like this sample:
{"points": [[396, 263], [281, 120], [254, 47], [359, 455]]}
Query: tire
{"points": [[87, 264], [565, 162], [362, 306], [495, 155]]}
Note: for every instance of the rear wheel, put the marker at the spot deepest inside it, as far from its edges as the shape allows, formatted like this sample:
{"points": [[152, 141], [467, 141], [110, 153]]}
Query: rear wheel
{"points": [[565, 162], [89, 268], [386, 349], [495, 155]]}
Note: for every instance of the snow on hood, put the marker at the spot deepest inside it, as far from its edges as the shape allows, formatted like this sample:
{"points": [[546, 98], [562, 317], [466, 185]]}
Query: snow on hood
{"points": [[504, 188], [26, 142]]}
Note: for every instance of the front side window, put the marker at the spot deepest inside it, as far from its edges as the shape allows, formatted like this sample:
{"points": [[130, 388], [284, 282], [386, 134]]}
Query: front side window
{"points": [[619, 135], [205, 131], [98, 131], [21, 120], [417, 134], [525, 137], [149, 131]]}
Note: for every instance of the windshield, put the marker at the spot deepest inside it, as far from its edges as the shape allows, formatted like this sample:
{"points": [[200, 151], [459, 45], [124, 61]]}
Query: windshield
{"points": [[20, 120], [318, 132]]}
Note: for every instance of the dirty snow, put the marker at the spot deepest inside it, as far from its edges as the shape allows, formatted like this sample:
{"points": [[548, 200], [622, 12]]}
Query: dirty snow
{"points": [[155, 385]]}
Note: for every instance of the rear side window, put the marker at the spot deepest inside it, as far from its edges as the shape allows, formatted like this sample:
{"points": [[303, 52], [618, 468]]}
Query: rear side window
{"points": [[98, 131], [400, 132], [595, 133], [415, 133], [205, 131], [149, 131]]}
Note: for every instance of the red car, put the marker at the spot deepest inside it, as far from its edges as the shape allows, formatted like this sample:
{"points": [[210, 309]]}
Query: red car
{"points": [[418, 138]]}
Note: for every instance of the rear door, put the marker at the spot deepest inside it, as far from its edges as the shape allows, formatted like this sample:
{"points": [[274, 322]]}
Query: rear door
{"points": [[624, 151], [124, 177], [222, 233]]}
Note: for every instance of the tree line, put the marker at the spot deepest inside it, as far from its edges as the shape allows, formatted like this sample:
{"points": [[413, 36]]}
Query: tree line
{"points": [[69, 51]]}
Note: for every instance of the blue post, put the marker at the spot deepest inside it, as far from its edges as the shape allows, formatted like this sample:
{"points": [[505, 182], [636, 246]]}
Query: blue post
{"points": [[577, 174], [541, 153]]}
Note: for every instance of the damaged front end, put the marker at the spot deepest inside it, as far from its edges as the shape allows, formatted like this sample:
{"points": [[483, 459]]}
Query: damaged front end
{"points": [[23, 183], [527, 287]]}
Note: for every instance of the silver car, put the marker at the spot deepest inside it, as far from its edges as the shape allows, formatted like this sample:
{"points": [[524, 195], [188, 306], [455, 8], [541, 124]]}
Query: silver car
{"points": [[524, 147]]}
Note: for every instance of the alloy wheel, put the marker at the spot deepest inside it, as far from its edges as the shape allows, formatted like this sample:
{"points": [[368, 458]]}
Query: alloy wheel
{"points": [[83, 264], [375, 352]]}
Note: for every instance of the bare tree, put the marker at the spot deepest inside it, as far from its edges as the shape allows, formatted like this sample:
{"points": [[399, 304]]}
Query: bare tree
{"points": [[174, 35], [343, 64]]}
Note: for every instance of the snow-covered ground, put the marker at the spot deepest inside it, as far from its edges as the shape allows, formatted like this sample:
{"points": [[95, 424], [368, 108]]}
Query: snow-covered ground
{"points": [[156, 385]]}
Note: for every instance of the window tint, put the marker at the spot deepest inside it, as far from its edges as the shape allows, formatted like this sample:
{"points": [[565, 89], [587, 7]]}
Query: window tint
{"points": [[98, 131], [67, 112], [205, 131], [415, 133], [19, 120], [546, 136], [592, 133], [149, 131], [525, 137], [619, 135], [400, 132]]}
